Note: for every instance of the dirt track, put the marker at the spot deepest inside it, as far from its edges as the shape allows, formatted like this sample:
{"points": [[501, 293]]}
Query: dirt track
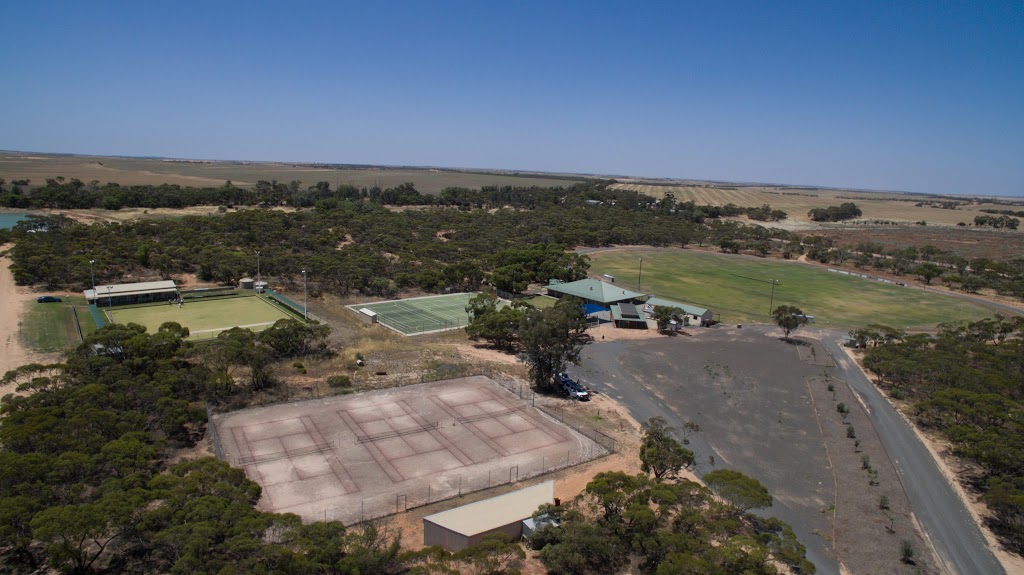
{"points": [[12, 305]]}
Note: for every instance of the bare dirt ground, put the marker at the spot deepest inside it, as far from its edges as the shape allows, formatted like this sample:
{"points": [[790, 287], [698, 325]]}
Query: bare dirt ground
{"points": [[13, 300], [952, 467]]}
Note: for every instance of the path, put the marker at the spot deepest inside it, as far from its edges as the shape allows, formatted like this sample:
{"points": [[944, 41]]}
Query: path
{"points": [[12, 305]]}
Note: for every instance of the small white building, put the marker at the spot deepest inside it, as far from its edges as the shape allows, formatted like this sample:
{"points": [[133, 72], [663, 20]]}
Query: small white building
{"points": [[461, 527]]}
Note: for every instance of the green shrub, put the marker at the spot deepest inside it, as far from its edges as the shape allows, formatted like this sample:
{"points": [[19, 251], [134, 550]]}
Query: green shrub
{"points": [[336, 381]]}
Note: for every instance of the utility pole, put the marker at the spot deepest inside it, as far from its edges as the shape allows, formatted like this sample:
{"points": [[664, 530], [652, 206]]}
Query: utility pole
{"points": [[258, 278], [774, 282], [305, 315], [92, 278], [640, 275]]}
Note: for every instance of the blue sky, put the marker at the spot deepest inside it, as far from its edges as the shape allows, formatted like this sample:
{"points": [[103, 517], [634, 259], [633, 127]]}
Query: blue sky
{"points": [[920, 96]]}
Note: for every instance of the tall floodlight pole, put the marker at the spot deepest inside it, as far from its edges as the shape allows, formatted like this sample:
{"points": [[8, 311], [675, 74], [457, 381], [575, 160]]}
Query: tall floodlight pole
{"points": [[258, 278], [110, 303], [92, 278], [305, 315], [639, 275], [774, 282]]}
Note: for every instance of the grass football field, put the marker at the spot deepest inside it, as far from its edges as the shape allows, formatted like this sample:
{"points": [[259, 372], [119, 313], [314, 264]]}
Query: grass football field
{"points": [[204, 318], [737, 288]]}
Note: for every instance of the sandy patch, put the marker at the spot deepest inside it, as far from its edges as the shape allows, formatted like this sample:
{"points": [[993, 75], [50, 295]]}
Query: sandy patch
{"points": [[13, 300], [608, 332], [483, 353]]}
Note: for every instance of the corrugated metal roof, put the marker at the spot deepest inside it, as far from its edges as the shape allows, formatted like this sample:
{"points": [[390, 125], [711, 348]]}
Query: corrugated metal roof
{"points": [[690, 309], [628, 310], [495, 512], [140, 287], [595, 290], [617, 315]]}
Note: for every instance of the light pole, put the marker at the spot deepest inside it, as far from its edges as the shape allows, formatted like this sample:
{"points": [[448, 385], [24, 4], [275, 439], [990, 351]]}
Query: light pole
{"points": [[92, 278], [258, 278], [304, 291], [639, 275], [771, 302], [110, 303]]}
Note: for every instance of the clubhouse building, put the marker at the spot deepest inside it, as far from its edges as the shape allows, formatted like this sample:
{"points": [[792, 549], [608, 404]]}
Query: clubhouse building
{"points": [[124, 294], [626, 308]]}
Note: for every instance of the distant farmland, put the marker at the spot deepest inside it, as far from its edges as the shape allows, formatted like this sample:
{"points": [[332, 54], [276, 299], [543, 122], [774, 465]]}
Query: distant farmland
{"points": [[798, 201], [737, 288], [141, 171]]}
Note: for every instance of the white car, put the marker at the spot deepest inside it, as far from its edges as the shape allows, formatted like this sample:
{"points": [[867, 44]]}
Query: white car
{"points": [[573, 389]]}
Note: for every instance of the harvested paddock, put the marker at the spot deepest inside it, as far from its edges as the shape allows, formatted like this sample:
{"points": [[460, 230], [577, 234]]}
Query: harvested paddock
{"points": [[362, 456]]}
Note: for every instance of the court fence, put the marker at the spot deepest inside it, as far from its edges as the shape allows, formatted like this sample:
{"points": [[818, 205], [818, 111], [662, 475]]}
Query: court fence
{"points": [[97, 316], [289, 306], [452, 486]]}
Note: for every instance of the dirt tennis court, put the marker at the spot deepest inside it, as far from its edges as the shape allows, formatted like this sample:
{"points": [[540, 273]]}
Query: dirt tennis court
{"points": [[371, 454]]}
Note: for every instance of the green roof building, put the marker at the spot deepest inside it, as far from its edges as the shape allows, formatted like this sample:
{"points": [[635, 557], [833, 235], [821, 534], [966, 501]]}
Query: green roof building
{"points": [[697, 313], [593, 291]]}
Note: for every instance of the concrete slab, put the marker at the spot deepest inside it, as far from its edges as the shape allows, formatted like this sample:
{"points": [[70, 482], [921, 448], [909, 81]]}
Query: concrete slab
{"points": [[368, 455]]}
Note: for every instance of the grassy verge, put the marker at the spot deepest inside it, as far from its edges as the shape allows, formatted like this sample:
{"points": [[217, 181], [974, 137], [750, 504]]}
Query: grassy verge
{"points": [[50, 327], [541, 301], [739, 289]]}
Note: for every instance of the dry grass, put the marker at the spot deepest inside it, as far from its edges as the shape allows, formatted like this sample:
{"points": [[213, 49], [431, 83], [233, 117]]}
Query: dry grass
{"points": [[140, 171], [797, 202]]}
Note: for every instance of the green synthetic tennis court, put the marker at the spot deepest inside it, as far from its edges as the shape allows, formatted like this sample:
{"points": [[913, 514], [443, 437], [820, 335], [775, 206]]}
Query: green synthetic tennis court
{"points": [[203, 318], [420, 315]]}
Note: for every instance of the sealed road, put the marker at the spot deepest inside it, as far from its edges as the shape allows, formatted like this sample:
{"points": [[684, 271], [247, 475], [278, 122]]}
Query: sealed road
{"points": [[943, 516]]}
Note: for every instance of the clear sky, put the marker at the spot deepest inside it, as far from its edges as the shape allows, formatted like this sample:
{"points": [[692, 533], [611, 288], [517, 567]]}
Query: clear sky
{"points": [[923, 96]]}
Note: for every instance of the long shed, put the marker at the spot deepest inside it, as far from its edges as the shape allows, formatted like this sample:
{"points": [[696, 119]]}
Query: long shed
{"points": [[463, 526], [140, 292]]}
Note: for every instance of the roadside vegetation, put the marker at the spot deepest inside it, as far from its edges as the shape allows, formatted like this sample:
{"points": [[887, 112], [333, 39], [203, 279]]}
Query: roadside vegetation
{"points": [[661, 524], [967, 382]]}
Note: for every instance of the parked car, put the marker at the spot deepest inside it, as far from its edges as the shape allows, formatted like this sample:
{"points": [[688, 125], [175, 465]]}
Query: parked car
{"points": [[48, 299], [572, 388]]}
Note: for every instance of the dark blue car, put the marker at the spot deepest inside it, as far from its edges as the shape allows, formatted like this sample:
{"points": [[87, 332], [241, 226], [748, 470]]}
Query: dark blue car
{"points": [[48, 299]]}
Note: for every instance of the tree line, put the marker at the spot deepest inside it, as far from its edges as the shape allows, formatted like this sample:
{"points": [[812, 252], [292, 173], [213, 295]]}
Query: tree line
{"points": [[997, 222], [361, 246], [968, 383], [844, 211], [926, 262]]}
